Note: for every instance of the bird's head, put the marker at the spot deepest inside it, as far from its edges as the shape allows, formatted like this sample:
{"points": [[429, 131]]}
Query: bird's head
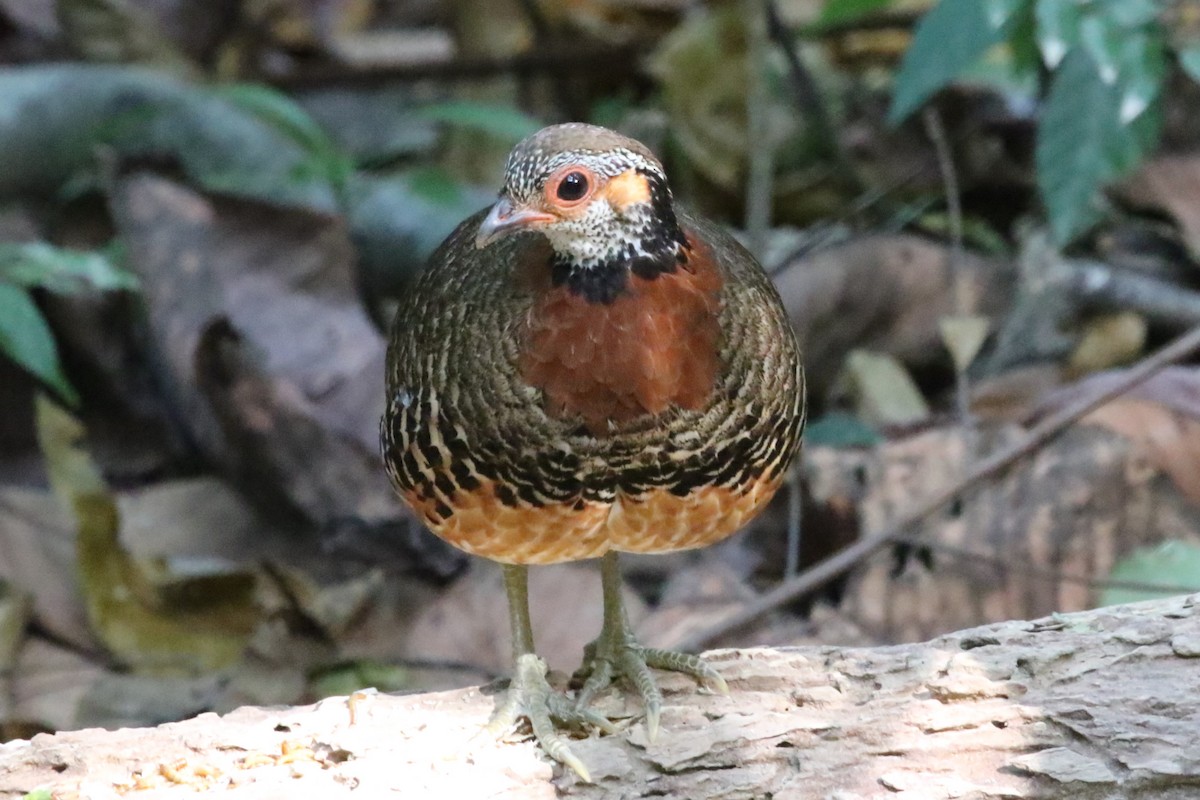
{"points": [[600, 198]]}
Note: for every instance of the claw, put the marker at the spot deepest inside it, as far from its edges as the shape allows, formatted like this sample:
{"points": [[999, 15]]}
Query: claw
{"points": [[553, 743], [633, 665], [531, 696]]}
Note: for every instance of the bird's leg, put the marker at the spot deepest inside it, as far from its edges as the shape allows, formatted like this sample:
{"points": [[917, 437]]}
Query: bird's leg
{"points": [[616, 652], [530, 695]]}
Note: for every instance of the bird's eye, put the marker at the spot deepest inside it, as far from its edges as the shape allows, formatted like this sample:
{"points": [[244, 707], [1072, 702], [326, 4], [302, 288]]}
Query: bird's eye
{"points": [[572, 187]]}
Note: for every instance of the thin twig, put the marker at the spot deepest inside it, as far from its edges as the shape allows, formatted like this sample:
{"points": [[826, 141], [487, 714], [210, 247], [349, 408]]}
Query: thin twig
{"points": [[945, 158], [883, 21], [537, 20], [959, 287], [543, 36], [760, 144], [861, 204], [1052, 425], [619, 60], [809, 101], [795, 521]]}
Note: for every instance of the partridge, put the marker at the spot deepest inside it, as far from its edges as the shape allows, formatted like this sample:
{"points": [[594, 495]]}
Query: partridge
{"points": [[585, 369]]}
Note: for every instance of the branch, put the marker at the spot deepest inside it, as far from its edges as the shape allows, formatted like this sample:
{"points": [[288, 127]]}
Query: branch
{"points": [[1104, 703], [617, 60], [1039, 434]]}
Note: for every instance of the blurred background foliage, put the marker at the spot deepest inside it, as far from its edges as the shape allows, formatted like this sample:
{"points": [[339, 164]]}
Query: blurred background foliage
{"points": [[207, 210], [249, 98]]}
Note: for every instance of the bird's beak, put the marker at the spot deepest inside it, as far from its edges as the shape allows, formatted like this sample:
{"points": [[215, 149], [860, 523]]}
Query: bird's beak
{"points": [[505, 218]]}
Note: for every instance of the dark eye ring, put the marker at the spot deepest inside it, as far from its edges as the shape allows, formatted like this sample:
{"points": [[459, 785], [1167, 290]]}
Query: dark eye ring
{"points": [[572, 187]]}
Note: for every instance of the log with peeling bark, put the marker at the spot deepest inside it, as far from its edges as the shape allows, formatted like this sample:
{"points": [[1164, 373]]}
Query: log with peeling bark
{"points": [[1098, 704]]}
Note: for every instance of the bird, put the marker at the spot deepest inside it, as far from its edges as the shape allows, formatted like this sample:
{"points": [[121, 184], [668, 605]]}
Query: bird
{"points": [[581, 370]]}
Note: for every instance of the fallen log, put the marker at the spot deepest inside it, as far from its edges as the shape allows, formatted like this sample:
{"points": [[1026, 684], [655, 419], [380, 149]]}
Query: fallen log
{"points": [[1098, 704]]}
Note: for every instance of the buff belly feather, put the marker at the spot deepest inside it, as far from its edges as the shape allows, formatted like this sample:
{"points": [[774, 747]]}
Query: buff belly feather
{"points": [[658, 521]]}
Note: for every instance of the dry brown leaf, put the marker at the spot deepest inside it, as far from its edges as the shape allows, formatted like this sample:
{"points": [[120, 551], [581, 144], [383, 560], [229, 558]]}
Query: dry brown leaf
{"points": [[963, 335], [1177, 388], [267, 353], [1169, 439], [37, 555], [280, 280], [1013, 394], [332, 607], [199, 517], [884, 293], [50, 681], [33, 15], [1161, 416], [308, 23], [1021, 545], [884, 393], [1107, 341], [15, 608]]}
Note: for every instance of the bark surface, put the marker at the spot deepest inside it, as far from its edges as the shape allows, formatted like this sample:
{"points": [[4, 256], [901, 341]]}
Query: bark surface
{"points": [[1099, 704]]}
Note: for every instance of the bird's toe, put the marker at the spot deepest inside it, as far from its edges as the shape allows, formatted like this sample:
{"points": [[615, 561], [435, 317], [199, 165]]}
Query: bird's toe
{"points": [[621, 656], [531, 697]]}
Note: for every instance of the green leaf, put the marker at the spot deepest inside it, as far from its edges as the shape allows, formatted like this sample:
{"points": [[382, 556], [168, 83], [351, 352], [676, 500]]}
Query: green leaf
{"points": [[1023, 51], [503, 122], [399, 220], [435, 185], [948, 39], [837, 12], [326, 162], [26, 339], [281, 112], [1099, 120], [349, 677], [39, 794], [1102, 39], [1131, 142], [1074, 153], [61, 270], [1058, 24], [52, 118], [1130, 13], [1173, 564], [1013, 71], [842, 430], [1141, 70], [1189, 60]]}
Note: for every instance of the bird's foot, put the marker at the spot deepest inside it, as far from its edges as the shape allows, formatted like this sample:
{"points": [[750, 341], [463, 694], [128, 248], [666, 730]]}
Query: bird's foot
{"points": [[618, 653], [531, 697]]}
